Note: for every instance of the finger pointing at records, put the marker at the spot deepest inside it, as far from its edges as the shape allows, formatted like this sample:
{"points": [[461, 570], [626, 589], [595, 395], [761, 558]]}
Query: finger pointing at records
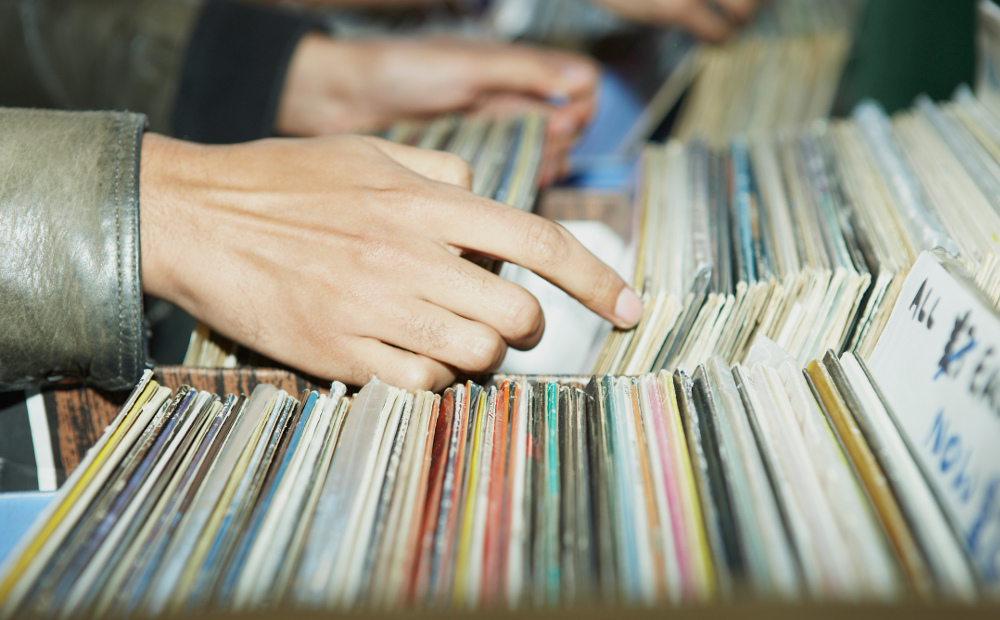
{"points": [[344, 256], [492, 229]]}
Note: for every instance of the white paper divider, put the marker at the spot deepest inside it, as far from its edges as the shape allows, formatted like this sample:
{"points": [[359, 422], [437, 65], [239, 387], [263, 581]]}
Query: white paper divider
{"points": [[938, 365]]}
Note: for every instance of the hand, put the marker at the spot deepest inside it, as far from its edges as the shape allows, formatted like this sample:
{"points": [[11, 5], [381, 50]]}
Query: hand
{"points": [[336, 86], [342, 256], [712, 20]]}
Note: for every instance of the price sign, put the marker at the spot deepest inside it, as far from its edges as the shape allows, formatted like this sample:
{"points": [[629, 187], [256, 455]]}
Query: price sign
{"points": [[938, 364]]}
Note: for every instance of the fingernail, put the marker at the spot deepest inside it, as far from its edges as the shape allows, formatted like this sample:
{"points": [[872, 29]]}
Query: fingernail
{"points": [[558, 99], [628, 308]]}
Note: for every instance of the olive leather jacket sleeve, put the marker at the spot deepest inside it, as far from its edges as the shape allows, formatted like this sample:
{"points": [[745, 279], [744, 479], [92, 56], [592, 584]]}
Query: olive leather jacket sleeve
{"points": [[96, 54], [70, 294]]}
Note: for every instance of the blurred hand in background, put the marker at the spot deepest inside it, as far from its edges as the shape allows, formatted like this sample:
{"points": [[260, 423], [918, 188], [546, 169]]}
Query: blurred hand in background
{"points": [[336, 86]]}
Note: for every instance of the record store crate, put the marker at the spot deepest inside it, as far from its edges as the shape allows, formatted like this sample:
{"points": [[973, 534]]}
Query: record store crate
{"points": [[81, 415]]}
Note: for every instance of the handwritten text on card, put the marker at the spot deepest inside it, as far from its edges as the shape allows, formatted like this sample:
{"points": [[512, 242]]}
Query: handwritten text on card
{"points": [[938, 364]]}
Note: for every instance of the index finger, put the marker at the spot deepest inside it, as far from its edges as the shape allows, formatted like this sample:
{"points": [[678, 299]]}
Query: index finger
{"points": [[546, 248]]}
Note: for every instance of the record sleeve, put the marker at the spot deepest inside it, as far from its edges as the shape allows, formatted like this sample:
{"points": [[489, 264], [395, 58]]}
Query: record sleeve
{"points": [[518, 552], [648, 543], [673, 528], [772, 562], [711, 513], [696, 537], [291, 556], [406, 561], [53, 584], [467, 502], [445, 529], [359, 436], [493, 536], [189, 417], [199, 438], [661, 525], [553, 494], [138, 583], [259, 569], [346, 582], [946, 558], [223, 525], [630, 579], [391, 489], [432, 502], [873, 478], [602, 501], [393, 541], [536, 499]]}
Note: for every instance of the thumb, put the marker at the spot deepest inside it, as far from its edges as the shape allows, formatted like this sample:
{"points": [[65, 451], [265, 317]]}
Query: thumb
{"points": [[437, 165]]}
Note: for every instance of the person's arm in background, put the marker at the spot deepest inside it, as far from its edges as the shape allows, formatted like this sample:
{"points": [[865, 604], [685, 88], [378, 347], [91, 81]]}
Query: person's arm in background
{"points": [[252, 70], [225, 71], [378, 82], [340, 256], [711, 20]]}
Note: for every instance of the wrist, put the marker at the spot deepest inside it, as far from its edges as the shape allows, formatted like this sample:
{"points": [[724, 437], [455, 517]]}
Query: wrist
{"points": [[324, 88], [164, 164]]}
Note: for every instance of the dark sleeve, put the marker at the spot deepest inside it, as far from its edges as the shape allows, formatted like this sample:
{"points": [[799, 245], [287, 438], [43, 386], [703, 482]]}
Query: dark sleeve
{"points": [[234, 71]]}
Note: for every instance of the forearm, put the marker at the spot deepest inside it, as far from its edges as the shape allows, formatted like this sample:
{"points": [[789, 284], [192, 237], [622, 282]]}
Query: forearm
{"points": [[367, 4], [70, 302]]}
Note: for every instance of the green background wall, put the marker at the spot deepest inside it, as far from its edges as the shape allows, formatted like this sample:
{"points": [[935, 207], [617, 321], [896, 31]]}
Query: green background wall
{"points": [[908, 47]]}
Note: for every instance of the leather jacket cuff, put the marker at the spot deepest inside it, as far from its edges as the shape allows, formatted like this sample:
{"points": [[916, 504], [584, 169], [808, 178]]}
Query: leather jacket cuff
{"points": [[70, 293], [234, 72]]}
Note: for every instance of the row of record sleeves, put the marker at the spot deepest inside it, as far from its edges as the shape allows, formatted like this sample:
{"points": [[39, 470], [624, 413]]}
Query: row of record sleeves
{"points": [[806, 237], [755, 480]]}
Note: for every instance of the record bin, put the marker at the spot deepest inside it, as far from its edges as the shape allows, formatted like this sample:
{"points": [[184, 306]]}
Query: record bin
{"points": [[83, 412]]}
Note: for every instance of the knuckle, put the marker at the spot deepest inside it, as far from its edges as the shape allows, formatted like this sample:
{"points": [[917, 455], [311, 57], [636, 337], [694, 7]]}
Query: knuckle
{"points": [[376, 250], [359, 371], [524, 316], [429, 334], [464, 275], [485, 352], [419, 375], [547, 243], [459, 170]]}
